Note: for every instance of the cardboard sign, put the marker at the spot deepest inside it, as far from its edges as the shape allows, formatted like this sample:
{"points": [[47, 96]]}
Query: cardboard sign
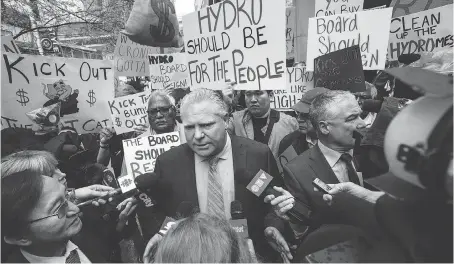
{"points": [[141, 153], [168, 71], [290, 32], [237, 42], [429, 30], [131, 59], [8, 45], [82, 86], [407, 7], [368, 29], [259, 183], [340, 70], [299, 81], [128, 112], [337, 7]]}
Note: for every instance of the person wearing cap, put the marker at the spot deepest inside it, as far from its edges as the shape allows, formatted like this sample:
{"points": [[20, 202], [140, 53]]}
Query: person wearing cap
{"points": [[261, 123], [305, 137]]}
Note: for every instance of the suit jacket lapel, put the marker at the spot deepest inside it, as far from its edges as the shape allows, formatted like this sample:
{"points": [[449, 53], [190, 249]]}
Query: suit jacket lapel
{"points": [[321, 166], [188, 162]]}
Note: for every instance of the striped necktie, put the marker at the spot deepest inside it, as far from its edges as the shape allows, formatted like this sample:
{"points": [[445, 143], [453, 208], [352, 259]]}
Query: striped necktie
{"points": [[73, 257], [215, 195]]}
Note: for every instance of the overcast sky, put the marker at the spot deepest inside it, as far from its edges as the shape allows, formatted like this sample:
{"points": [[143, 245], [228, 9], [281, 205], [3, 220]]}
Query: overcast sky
{"points": [[184, 7]]}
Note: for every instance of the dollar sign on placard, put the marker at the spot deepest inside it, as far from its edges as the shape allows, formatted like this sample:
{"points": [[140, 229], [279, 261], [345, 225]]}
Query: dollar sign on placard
{"points": [[91, 95], [118, 122], [164, 31], [23, 98]]}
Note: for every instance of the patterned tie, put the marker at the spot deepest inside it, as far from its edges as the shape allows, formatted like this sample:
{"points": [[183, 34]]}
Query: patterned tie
{"points": [[352, 175], [73, 257], [215, 197]]}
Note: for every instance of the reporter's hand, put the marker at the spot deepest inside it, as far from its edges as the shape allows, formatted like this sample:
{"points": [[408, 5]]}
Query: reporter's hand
{"points": [[352, 190], [281, 204], [93, 191], [277, 241], [148, 254], [127, 207]]}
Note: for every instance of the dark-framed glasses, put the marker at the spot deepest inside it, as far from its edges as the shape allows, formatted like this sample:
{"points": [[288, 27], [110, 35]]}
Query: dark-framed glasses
{"points": [[60, 213], [162, 110]]}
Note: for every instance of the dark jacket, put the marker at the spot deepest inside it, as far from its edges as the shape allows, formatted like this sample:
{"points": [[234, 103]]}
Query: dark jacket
{"points": [[177, 183], [295, 139]]}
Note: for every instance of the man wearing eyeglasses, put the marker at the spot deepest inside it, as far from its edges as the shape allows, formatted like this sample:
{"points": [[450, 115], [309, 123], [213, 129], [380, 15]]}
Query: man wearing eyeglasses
{"points": [[38, 218], [305, 137]]}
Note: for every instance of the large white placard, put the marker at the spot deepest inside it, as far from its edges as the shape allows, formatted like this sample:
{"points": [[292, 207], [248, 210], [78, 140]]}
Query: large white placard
{"points": [[337, 7], [130, 58], [129, 112], [168, 71], [369, 29], [290, 32], [82, 86], [299, 81], [429, 30], [8, 45], [237, 41], [141, 153]]}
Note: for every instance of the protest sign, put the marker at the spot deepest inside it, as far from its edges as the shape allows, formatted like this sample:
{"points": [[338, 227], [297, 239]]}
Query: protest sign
{"points": [[407, 7], [290, 32], [299, 81], [340, 70], [168, 71], [130, 58], [429, 30], [8, 45], [237, 42], [368, 29], [128, 112], [82, 86], [337, 7], [141, 153]]}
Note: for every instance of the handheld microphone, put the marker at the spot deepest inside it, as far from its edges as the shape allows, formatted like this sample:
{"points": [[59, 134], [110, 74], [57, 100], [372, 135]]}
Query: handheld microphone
{"points": [[239, 224], [260, 183], [138, 187]]}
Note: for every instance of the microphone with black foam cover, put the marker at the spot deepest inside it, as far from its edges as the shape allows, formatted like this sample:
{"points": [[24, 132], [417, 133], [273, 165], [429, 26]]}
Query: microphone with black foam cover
{"points": [[239, 224], [300, 213]]}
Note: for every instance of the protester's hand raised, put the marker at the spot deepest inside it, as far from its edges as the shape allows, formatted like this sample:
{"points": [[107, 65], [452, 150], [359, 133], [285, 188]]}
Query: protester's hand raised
{"points": [[281, 204], [93, 191], [106, 134], [140, 129]]}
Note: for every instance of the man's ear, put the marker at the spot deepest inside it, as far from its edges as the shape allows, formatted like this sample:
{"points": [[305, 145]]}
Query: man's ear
{"points": [[22, 242], [323, 127]]}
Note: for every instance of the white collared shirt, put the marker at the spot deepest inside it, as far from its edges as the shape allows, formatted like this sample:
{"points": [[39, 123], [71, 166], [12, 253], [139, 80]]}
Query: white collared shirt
{"points": [[70, 246], [225, 178], [338, 166]]}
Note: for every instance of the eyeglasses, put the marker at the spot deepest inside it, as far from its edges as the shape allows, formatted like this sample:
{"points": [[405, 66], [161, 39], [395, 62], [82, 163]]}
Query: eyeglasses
{"points": [[61, 212], [302, 116], [162, 110]]}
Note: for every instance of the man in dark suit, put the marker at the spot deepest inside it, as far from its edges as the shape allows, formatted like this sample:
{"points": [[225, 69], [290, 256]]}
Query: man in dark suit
{"points": [[335, 115], [213, 169]]}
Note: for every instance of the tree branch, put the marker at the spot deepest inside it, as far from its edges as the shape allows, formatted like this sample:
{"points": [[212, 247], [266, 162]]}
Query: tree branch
{"points": [[22, 32]]}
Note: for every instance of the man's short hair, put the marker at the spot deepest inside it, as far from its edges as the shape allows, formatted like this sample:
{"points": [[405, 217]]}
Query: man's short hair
{"points": [[37, 161], [201, 95], [322, 106], [20, 194], [161, 93]]}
